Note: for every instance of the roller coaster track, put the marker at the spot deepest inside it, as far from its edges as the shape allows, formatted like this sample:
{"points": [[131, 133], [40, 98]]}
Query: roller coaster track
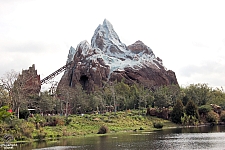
{"points": [[54, 74]]}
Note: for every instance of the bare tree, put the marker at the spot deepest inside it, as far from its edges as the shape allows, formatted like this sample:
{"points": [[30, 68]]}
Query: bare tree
{"points": [[4, 97], [18, 94], [66, 95], [7, 84], [10, 83]]}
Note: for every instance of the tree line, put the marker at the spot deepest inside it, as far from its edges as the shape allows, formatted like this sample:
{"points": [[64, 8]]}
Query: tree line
{"points": [[116, 96]]}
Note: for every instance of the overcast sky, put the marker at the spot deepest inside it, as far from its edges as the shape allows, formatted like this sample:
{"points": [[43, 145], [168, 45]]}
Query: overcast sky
{"points": [[189, 36]]}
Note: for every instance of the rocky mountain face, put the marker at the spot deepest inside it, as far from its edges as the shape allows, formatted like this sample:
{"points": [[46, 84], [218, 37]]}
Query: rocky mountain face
{"points": [[28, 82], [107, 59]]}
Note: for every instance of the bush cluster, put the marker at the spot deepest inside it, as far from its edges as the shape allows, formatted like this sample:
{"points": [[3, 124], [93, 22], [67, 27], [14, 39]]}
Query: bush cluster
{"points": [[222, 116], [103, 130], [212, 117], [189, 120], [158, 125], [204, 109]]}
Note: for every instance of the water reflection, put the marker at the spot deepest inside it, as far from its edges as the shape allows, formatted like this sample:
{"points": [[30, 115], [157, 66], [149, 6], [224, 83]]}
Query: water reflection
{"points": [[179, 138], [194, 140]]}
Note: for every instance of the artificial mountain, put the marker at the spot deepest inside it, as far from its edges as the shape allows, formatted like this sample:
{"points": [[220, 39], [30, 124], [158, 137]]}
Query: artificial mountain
{"points": [[107, 59]]}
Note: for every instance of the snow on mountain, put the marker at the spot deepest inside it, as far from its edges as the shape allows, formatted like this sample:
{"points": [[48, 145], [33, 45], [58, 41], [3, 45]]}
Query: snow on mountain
{"points": [[106, 44], [71, 54], [106, 39], [108, 59]]}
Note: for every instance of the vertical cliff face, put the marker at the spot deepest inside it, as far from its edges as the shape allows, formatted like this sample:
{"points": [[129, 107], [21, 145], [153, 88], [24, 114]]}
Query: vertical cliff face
{"points": [[28, 82], [108, 59]]}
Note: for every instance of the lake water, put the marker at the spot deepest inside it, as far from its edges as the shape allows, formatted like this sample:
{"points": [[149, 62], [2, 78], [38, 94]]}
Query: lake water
{"points": [[212, 138]]}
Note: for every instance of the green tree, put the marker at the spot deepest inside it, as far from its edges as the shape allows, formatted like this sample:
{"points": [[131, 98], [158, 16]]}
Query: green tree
{"points": [[166, 96], [72, 99], [4, 114], [185, 100], [97, 102], [191, 109], [177, 112], [160, 98], [204, 109], [133, 97], [199, 93], [108, 97], [46, 102], [217, 96], [145, 97], [122, 91]]}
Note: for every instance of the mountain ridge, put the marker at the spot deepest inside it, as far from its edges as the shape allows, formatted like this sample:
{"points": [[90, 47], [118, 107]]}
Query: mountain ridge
{"points": [[108, 59]]}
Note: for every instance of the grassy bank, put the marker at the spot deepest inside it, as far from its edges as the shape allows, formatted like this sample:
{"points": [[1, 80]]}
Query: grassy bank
{"points": [[85, 125], [52, 127]]}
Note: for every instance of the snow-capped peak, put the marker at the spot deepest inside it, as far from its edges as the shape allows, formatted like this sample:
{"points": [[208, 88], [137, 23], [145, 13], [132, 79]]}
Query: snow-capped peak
{"points": [[111, 34], [108, 59], [106, 44], [106, 39]]}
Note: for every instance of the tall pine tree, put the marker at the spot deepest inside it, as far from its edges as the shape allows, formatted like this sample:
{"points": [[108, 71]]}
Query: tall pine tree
{"points": [[191, 109], [178, 112]]}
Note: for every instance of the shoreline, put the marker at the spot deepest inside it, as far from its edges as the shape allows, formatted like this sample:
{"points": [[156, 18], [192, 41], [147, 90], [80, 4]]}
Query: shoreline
{"points": [[110, 133], [89, 125]]}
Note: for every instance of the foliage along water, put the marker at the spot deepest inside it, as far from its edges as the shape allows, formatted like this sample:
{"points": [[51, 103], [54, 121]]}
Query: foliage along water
{"points": [[169, 139]]}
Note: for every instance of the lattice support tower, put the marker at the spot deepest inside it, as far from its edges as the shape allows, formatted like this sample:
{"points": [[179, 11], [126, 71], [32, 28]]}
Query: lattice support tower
{"points": [[54, 74]]}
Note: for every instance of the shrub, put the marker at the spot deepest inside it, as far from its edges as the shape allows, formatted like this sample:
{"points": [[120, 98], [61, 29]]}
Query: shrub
{"points": [[4, 114], [212, 117], [40, 134], [15, 123], [141, 118], [50, 121], [204, 109], [3, 128], [56, 120], [103, 130], [185, 119], [27, 129], [24, 114], [141, 128], [38, 120], [67, 121], [60, 121], [66, 133], [148, 111], [158, 125], [222, 116], [193, 120], [189, 120], [20, 129]]}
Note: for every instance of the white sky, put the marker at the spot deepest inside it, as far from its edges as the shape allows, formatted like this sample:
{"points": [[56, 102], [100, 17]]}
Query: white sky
{"points": [[189, 36]]}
